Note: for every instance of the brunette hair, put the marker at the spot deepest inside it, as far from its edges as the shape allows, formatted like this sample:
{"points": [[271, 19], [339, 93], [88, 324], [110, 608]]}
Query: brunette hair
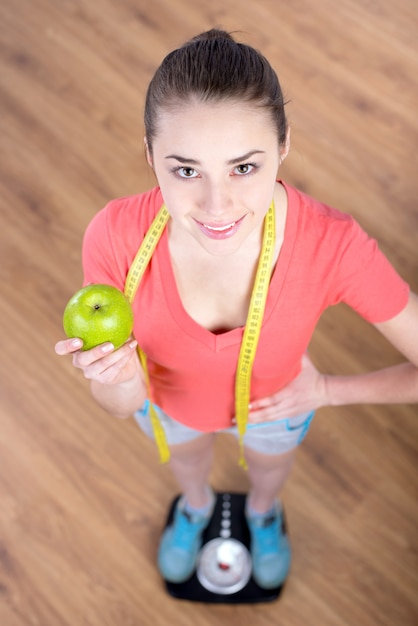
{"points": [[214, 67]]}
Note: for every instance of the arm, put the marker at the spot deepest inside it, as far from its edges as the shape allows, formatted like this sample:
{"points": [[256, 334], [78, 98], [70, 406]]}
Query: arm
{"points": [[311, 390], [398, 384], [116, 376]]}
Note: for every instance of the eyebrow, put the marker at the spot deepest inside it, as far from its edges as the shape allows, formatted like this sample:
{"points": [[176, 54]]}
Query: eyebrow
{"points": [[234, 161]]}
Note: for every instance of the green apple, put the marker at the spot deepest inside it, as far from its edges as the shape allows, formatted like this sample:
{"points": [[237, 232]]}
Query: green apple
{"points": [[97, 314]]}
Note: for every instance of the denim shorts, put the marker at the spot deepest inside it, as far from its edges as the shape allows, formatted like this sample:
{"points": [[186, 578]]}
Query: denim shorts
{"points": [[275, 437]]}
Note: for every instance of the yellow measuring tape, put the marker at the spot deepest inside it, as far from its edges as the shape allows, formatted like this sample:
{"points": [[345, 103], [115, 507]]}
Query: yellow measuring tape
{"points": [[251, 332], [253, 328], [135, 274]]}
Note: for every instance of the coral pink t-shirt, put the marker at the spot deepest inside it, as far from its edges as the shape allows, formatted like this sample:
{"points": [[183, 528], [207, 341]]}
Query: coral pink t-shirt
{"points": [[326, 258]]}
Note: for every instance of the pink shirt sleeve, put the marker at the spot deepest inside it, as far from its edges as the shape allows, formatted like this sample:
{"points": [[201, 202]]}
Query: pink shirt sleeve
{"points": [[366, 280], [100, 263], [114, 236]]}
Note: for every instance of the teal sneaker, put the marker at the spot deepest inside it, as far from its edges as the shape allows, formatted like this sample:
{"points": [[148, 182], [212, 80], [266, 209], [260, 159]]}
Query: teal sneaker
{"points": [[270, 548], [180, 544]]}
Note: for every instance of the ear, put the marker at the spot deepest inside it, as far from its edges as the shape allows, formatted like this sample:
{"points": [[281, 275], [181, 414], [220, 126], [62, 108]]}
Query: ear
{"points": [[284, 150], [148, 153]]}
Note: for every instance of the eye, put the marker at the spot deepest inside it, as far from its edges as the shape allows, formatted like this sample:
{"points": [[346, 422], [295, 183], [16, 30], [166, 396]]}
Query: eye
{"points": [[244, 168], [186, 172]]}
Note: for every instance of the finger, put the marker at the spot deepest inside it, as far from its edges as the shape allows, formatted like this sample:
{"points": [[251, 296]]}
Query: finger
{"points": [[264, 415], [68, 346], [111, 373], [85, 358], [95, 361], [263, 403], [274, 411]]}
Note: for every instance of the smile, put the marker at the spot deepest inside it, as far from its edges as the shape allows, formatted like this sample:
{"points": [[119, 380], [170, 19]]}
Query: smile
{"points": [[219, 228], [222, 231]]}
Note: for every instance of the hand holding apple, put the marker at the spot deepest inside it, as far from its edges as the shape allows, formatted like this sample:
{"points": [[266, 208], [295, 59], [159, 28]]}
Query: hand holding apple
{"points": [[98, 314], [107, 359], [104, 364]]}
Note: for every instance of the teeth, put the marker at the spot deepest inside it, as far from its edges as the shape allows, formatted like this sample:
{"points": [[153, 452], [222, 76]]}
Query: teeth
{"points": [[219, 228]]}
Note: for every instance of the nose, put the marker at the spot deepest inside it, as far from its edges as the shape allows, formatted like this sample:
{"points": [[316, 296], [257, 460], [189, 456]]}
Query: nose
{"points": [[217, 200]]}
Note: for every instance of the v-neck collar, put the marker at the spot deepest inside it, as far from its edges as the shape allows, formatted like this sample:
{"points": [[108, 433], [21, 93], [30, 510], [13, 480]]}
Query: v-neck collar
{"points": [[218, 342]]}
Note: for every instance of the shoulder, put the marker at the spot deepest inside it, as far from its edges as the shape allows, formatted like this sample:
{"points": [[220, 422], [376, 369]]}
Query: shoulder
{"points": [[127, 213], [325, 231], [315, 212], [123, 222], [345, 260], [114, 235]]}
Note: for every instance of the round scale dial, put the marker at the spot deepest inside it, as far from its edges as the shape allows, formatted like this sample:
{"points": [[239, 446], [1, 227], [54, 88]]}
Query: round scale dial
{"points": [[224, 566]]}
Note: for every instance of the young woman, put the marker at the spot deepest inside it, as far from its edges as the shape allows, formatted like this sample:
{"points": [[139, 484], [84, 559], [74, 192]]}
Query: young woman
{"points": [[216, 135]]}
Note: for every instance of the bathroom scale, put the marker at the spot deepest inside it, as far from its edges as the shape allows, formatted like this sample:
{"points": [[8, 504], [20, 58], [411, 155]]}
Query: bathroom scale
{"points": [[224, 569]]}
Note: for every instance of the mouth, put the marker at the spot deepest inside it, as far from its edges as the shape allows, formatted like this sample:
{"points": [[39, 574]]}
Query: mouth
{"points": [[220, 231]]}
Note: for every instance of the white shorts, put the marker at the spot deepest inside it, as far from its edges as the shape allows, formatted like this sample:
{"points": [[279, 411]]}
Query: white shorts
{"points": [[275, 437]]}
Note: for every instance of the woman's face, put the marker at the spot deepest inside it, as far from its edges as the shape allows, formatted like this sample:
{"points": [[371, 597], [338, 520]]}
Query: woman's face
{"points": [[216, 164]]}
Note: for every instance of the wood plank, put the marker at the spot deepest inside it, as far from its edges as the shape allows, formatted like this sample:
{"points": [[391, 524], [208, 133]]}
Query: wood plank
{"points": [[82, 496]]}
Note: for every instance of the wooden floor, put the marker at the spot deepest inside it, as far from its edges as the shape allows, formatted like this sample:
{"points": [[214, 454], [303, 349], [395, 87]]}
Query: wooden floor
{"points": [[82, 497]]}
